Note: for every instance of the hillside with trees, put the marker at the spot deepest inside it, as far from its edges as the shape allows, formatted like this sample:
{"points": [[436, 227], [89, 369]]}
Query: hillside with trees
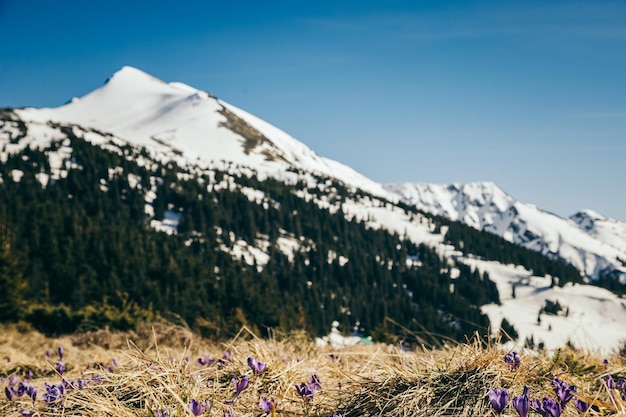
{"points": [[79, 251]]}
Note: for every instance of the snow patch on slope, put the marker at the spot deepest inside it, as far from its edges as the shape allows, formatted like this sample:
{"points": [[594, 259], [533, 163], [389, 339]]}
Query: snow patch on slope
{"points": [[594, 317]]}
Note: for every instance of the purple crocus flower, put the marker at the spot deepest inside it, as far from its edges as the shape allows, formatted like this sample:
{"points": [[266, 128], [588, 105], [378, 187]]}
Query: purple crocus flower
{"points": [[513, 359], [563, 390], [547, 407], [61, 352], [305, 391], [21, 388], [580, 405], [521, 403], [256, 366], [32, 393], [267, 406], [609, 382], [240, 385], [621, 385], [195, 407], [12, 380], [316, 383], [230, 412], [53, 393], [29, 374], [226, 357], [25, 388], [499, 398], [67, 384], [60, 367], [10, 393], [162, 413], [198, 407], [82, 383], [26, 413], [205, 360]]}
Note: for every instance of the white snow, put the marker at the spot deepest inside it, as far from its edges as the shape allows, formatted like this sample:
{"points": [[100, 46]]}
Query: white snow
{"points": [[17, 175], [169, 224], [336, 340], [250, 254], [595, 320], [288, 245]]}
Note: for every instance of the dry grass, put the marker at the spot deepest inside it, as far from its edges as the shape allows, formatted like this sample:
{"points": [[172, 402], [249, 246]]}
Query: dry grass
{"points": [[377, 380]]}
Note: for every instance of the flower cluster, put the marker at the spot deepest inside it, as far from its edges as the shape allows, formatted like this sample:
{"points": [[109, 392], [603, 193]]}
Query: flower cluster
{"points": [[17, 390], [513, 359], [307, 390], [615, 388], [207, 360], [549, 407], [546, 407], [256, 366], [54, 393], [268, 406], [199, 407]]}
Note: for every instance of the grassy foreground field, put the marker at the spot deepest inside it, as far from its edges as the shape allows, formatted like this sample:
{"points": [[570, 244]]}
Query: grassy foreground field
{"points": [[168, 371]]}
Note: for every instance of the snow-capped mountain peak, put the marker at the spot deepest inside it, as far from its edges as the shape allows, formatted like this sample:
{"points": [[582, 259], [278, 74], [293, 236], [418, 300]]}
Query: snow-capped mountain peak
{"points": [[194, 127], [130, 76]]}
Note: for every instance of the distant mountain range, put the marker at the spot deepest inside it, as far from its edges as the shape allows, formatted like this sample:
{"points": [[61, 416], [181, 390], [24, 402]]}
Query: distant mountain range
{"points": [[195, 134], [594, 244]]}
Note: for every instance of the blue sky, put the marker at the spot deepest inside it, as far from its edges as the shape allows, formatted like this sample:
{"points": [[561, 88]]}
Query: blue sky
{"points": [[530, 95]]}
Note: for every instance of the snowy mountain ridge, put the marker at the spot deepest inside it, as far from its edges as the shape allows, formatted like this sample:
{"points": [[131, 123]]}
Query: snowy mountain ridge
{"points": [[591, 242]]}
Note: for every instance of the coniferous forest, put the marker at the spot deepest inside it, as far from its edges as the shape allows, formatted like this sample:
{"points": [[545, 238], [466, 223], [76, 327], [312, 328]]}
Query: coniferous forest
{"points": [[80, 251]]}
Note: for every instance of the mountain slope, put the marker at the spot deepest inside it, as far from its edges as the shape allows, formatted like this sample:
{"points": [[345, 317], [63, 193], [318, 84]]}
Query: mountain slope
{"points": [[239, 251], [591, 243], [164, 193], [190, 126]]}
